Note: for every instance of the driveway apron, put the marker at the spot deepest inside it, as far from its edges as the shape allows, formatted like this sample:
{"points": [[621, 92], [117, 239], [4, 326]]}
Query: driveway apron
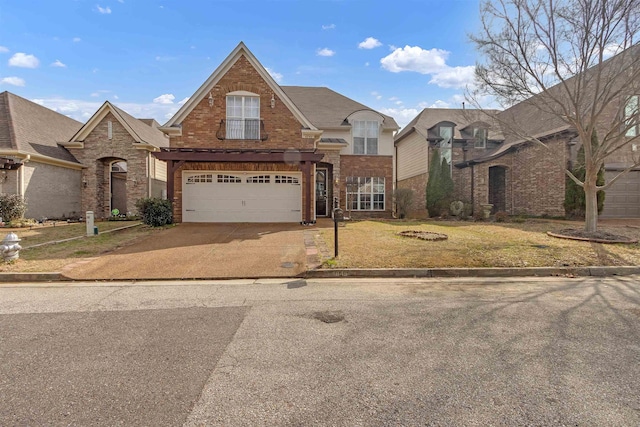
{"points": [[197, 251]]}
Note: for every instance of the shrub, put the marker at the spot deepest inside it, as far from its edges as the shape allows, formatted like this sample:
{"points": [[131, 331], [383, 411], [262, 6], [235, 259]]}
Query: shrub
{"points": [[574, 198], [155, 212], [403, 197], [12, 207], [439, 186]]}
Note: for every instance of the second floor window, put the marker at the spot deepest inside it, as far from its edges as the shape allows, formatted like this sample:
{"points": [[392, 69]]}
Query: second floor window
{"points": [[480, 135], [446, 143], [365, 137], [243, 117], [632, 116]]}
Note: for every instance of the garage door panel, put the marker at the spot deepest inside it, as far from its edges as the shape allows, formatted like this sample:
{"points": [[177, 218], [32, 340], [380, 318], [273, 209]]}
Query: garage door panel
{"points": [[622, 199], [242, 197]]}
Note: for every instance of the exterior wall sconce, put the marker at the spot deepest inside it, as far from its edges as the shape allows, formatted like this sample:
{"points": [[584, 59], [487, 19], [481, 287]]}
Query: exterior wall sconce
{"points": [[273, 101], [210, 100], [85, 183], [3, 176]]}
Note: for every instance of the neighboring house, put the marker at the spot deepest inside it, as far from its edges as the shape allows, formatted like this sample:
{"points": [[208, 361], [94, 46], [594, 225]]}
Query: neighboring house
{"points": [[244, 149], [491, 164], [115, 150], [33, 164]]}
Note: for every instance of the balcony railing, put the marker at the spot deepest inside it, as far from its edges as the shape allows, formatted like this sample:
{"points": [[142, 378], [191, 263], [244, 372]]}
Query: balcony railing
{"points": [[251, 129]]}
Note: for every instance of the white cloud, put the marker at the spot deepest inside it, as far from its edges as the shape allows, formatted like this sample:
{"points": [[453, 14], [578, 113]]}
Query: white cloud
{"points": [[95, 94], [77, 39], [23, 60], [103, 10], [15, 81], [325, 52], [81, 109], [59, 63], [366, 64], [455, 77], [4, 49], [376, 94], [184, 101], [612, 49], [414, 58], [116, 97], [276, 76], [440, 104], [433, 62], [120, 1], [369, 43], [329, 27], [167, 98], [165, 58], [401, 115]]}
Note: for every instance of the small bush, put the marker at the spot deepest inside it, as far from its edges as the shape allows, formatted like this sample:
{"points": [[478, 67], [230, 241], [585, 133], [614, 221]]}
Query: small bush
{"points": [[155, 212], [501, 216], [404, 200], [12, 207]]}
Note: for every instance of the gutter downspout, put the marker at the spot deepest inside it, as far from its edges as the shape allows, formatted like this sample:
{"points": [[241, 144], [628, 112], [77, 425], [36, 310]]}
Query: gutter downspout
{"points": [[473, 189]]}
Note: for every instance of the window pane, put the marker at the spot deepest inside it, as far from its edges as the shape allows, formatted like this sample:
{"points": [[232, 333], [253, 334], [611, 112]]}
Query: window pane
{"points": [[631, 115], [372, 129], [372, 145], [358, 129], [358, 145]]}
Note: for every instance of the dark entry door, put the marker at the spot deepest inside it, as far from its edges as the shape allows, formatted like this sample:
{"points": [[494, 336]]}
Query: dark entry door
{"points": [[321, 192]]}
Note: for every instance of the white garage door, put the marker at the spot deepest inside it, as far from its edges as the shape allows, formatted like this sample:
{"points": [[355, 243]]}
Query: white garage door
{"points": [[224, 196], [622, 199]]}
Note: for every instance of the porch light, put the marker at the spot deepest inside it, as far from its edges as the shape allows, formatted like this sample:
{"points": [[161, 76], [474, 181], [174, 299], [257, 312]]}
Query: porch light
{"points": [[210, 100], [273, 101], [84, 183]]}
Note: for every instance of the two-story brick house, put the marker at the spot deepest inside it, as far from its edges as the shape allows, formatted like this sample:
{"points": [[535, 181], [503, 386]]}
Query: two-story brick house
{"points": [[496, 160], [245, 149]]}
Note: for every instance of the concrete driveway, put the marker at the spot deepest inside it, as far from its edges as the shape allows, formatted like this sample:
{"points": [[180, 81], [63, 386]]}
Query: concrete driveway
{"points": [[193, 251]]}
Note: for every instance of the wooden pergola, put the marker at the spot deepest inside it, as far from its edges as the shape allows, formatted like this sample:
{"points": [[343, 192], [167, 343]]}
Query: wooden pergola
{"points": [[177, 157]]}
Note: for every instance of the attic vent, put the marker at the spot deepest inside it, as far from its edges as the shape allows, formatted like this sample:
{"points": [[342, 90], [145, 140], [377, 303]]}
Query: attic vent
{"points": [[109, 129]]}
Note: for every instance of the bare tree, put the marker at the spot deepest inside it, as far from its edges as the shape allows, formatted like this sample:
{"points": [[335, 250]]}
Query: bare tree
{"points": [[574, 63]]}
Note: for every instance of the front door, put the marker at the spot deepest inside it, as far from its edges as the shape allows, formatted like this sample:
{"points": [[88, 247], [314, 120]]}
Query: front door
{"points": [[321, 192]]}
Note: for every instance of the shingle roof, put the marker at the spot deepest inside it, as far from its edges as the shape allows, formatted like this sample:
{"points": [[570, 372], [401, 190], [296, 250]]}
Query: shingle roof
{"points": [[430, 117], [144, 132], [33, 129], [326, 108]]}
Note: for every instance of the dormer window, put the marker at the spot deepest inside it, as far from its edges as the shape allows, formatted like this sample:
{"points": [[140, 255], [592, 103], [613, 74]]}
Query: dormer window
{"points": [[243, 117], [632, 116], [365, 137], [480, 137], [446, 143]]}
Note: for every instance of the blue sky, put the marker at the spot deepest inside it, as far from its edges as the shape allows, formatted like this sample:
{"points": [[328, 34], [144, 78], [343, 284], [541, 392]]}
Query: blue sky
{"points": [[148, 56]]}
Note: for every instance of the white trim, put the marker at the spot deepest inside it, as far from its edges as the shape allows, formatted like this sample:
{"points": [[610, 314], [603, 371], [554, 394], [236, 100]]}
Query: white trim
{"points": [[94, 121], [214, 78], [242, 93], [41, 159]]}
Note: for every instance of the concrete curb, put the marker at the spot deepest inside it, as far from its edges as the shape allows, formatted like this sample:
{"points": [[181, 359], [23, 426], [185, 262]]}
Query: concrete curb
{"points": [[472, 272], [372, 273]]}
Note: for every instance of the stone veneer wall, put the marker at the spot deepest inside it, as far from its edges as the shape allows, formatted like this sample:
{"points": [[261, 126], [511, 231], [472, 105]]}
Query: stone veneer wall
{"points": [[98, 151]]}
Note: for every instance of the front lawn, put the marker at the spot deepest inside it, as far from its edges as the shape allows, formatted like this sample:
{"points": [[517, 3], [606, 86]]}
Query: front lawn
{"points": [[53, 257], [376, 244]]}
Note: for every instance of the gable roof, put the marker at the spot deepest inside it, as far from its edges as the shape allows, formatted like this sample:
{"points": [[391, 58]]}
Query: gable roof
{"points": [[230, 60], [31, 129], [141, 132], [328, 109], [430, 117]]}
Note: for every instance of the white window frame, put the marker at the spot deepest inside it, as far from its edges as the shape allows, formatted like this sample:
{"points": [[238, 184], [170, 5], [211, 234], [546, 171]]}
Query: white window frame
{"points": [[446, 146], [368, 130], [632, 116], [480, 141], [248, 113], [365, 193]]}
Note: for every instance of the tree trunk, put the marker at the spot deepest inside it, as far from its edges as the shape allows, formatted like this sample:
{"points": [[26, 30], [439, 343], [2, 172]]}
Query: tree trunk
{"points": [[591, 204]]}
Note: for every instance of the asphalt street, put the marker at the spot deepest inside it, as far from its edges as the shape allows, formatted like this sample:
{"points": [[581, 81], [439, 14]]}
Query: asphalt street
{"points": [[344, 352]]}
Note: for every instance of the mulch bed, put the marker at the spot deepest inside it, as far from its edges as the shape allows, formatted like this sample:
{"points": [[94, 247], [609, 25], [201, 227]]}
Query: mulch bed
{"points": [[597, 237], [424, 235]]}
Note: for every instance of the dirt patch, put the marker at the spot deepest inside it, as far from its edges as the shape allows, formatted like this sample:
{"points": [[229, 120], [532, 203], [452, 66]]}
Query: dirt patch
{"points": [[424, 235], [597, 236]]}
